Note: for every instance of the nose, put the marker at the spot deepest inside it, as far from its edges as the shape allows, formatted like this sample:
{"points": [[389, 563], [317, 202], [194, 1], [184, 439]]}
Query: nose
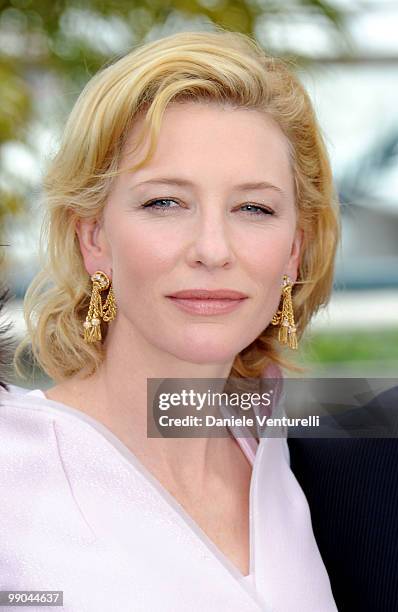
{"points": [[211, 244]]}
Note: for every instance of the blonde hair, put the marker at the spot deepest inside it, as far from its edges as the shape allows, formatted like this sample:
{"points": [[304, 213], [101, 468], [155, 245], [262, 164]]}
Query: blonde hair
{"points": [[221, 67]]}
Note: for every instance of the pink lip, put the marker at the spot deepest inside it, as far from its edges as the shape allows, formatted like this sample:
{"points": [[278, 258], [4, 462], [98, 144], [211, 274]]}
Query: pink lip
{"points": [[206, 294], [206, 306]]}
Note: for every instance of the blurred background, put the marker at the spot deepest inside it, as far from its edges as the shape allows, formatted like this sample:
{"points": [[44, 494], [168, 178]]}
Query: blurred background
{"points": [[346, 53]]}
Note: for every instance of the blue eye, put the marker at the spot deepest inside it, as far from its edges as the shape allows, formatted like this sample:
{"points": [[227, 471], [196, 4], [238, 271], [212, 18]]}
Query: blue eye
{"points": [[153, 204], [259, 210], [264, 211]]}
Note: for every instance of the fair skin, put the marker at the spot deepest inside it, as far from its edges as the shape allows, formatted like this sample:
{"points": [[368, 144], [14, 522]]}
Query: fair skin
{"points": [[211, 236]]}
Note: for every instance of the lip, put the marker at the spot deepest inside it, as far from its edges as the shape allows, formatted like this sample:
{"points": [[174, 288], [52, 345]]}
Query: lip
{"points": [[206, 302], [206, 307], [209, 294]]}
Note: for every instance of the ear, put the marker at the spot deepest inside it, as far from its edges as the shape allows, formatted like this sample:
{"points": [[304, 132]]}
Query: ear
{"points": [[93, 245], [294, 258]]}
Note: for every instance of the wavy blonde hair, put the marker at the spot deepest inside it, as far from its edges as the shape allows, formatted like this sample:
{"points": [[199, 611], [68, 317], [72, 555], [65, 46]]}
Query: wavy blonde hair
{"points": [[221, 67]]}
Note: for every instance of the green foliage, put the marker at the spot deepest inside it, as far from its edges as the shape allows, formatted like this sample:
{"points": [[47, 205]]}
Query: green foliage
{"points": [[15, 103], [342, 346]]}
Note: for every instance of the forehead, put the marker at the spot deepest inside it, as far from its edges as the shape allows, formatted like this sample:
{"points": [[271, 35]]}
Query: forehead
{"points": [[215, 142]]}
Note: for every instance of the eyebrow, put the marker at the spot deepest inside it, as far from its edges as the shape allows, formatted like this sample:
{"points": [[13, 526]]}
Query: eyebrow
{"points": [[250, 186]]}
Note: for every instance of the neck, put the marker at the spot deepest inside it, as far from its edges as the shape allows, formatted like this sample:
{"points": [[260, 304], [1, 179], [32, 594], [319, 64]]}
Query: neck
{"points": [[118, 390]]}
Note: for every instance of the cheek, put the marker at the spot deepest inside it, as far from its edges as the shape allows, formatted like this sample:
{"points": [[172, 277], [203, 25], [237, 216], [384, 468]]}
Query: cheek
{"points": [[140, 254], [265, 253], [264, 259]]}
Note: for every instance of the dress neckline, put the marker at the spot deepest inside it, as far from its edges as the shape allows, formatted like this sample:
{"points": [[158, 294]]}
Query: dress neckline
{"points": [[247, 443], [250, 447]]}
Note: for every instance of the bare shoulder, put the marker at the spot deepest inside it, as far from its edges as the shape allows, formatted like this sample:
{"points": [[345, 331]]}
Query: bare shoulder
{"points": [[59, 392], [74, 392]]}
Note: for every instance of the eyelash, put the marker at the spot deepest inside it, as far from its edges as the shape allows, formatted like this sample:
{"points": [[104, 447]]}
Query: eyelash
{"points": [[151, 204]]}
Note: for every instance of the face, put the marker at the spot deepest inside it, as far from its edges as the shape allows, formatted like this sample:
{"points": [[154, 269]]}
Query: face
{"points": [[205, 228]]}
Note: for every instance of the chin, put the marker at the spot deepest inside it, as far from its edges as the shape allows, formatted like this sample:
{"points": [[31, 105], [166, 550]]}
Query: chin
{"points": [[206, 351], [206, 357]]}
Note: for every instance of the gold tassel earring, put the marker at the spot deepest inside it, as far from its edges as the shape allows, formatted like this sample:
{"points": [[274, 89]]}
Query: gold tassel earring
{"points": [[285, 316], [96, 311]]}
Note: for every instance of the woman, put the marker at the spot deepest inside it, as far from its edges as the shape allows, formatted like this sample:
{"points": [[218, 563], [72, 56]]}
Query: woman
{"points": [[192, 165]]}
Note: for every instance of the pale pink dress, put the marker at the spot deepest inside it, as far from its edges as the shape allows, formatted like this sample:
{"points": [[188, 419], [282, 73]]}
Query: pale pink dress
{"points": [[80, 513]]}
